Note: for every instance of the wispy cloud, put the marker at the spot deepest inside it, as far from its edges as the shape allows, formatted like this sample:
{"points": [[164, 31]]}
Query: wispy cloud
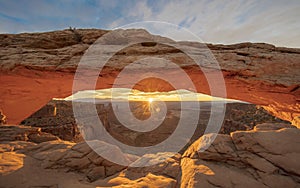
{"points": [[275, 22], [233, 21]]}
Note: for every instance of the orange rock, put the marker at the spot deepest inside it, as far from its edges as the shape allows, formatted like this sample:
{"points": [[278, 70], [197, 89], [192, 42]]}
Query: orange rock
{"points": [[38, 67]]}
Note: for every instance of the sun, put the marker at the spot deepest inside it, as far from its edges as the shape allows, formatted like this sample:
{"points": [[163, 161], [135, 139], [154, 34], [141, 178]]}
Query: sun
{"points": [[150, 100]]}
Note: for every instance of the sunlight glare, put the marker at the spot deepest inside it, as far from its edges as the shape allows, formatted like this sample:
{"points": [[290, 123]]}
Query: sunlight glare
{"points": [[150, 100]]}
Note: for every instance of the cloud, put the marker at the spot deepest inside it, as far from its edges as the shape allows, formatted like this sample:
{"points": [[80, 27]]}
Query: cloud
{"points": [[141, 10], [275, 22], [229, 21], [238, 21]]}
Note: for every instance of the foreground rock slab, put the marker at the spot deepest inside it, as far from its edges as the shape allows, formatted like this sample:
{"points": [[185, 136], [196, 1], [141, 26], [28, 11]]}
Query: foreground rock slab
{"points": [[265, 157]]}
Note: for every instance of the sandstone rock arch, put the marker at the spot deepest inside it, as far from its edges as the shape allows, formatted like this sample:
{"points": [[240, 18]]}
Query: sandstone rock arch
{"points": [[38, 67]]}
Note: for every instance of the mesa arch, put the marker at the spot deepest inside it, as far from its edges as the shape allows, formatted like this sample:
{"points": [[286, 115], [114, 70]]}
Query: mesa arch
{"points": [[38, 67]]}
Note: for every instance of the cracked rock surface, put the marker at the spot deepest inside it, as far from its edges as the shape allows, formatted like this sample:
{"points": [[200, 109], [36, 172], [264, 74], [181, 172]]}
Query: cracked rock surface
{"points": [[264, 157]]}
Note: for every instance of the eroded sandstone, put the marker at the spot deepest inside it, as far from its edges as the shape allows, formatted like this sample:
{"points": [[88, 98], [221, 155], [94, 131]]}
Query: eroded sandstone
{"points": [[38, 67], [264, 157]]}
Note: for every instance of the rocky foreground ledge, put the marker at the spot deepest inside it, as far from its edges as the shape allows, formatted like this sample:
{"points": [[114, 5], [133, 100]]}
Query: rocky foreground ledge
{"points": [[264, 157], [36, 67]]}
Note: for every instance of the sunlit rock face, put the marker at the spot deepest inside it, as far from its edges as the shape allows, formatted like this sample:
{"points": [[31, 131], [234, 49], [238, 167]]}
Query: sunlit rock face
{"points": [[38, 67], [264, 157]]}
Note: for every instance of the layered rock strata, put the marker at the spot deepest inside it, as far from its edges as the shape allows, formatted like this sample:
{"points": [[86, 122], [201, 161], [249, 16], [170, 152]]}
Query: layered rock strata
{"points": [[36, 67]]}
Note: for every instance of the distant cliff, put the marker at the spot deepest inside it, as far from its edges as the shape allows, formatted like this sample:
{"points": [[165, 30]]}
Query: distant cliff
{"points": [[57, 118]]}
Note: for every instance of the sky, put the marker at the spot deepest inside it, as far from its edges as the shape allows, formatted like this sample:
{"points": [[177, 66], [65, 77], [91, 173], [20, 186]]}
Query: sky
{"points": [[226, 22], [136, 95]]}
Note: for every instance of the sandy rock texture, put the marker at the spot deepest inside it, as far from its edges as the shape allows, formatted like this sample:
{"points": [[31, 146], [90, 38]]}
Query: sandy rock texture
{"points": [[36, 67], [59, 163], [264, 157]]}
